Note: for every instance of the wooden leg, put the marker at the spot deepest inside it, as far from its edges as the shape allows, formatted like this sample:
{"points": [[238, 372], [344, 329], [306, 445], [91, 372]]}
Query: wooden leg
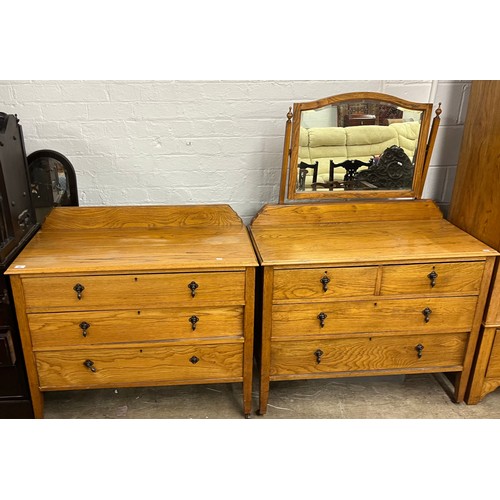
{"points": [[265, 359], [37, 399]]}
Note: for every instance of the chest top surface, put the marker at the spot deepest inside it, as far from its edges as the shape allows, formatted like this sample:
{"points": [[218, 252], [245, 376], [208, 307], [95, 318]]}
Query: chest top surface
{"points": [[360, 233], [141, 238]]}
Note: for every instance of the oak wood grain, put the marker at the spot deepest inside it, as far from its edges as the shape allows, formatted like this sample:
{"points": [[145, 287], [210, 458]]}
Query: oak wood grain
{"points": [[375, 353], [130, 365], [454, 277], [58, 330], [301, 320], [134, 291]]}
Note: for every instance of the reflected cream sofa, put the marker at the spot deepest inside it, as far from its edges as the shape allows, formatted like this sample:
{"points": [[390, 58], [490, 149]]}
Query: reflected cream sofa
{"points": [[322, 144]]}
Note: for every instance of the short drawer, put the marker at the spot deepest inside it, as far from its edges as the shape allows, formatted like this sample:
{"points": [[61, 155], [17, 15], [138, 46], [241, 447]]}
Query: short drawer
{"points": [[129, 366], [324, 283], [429, 314], [56, 330], [437, 278], [134, 291], [368, 353], [493, 369]]}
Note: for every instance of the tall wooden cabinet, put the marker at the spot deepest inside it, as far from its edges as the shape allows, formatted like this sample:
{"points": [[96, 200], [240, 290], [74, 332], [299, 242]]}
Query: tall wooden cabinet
{"points": [[475, 207]]}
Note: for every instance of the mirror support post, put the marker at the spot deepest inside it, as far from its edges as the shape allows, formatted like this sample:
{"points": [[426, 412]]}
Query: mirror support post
{"points": [[286, 156], [429, 148]]}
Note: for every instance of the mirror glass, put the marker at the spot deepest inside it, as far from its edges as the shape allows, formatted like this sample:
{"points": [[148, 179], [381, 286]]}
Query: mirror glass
{"points": [[357, 145]]}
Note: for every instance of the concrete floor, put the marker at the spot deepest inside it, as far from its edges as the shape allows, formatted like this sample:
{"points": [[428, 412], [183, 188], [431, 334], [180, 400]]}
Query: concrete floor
{"points": [[390, 397]]}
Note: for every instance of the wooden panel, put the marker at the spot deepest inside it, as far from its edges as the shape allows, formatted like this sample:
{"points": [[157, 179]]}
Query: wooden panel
{"points": [[459, 277], [305, 284], [493, 311], [375, 353], [347, 212], [134, 291], [146, 216], [56, 330], [134, 366], [494, 363], [448, 314], [474, 205]]}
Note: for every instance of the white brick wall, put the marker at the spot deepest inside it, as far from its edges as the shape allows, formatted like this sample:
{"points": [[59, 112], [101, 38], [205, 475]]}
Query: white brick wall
{"points": [[185, 142]]}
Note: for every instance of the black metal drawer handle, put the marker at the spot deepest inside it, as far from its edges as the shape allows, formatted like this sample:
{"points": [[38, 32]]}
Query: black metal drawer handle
{"points": [[419, 348], [322, 316], [78, 288], [84, 326], [427, 314], [194, 359], [90, 365], [318, 353], [193, 320], [193, 286], [324, 281], [432, 276]]}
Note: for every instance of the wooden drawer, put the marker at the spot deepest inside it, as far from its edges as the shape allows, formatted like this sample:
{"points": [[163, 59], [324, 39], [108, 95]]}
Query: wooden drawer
{"points": [[139, 366], [368, 353], [299, 284], [447, 315], [493, 369], [457, 277], [134, 291], [56, 330]]}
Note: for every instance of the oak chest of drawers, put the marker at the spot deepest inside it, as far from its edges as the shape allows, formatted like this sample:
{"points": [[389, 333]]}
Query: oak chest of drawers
{"points": [[370, 288], [137, 296]]}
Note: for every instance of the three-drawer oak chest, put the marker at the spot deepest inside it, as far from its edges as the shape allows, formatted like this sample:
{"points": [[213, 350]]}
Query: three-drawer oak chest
{"points": [[367, 288], [136, 296]]}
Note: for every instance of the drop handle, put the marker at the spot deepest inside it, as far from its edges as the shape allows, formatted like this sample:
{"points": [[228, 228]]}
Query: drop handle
{"points": [[84, 326], [90, 365], [193, 320], [193, 286], [427, 314], [324, 281], [79, 288], [419, 348], [322, 316], [318, 353], [432, 276]]}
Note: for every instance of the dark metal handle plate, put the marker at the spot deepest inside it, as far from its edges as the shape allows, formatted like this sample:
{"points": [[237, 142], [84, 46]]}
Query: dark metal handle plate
{"points": [[419, 348], [193, 286], [193, 320], [427, 314], [194, 360], [78, 288], [84, 326], [318, 353], [322, 316], [432, 276], [324, 281], [90, 365]]}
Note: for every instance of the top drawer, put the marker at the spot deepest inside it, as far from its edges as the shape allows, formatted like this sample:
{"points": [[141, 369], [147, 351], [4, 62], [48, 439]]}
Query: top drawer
{"points": [[324, 283], [433, 278], [131, 291]]}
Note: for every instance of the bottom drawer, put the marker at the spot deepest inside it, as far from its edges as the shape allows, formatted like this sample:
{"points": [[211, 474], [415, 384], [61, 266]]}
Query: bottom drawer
{"points": [[139, 366], [368, 353]]}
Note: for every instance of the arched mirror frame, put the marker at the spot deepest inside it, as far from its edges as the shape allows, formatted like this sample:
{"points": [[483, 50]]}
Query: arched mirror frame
{"points": [[425, 145]]}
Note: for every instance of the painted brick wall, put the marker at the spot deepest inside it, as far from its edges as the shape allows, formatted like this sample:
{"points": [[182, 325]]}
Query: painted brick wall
{"points": [[187, 142]]}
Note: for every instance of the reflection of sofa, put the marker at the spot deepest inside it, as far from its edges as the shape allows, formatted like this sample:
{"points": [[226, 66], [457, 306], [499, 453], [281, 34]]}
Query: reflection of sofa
{"points": [[322, 144]]}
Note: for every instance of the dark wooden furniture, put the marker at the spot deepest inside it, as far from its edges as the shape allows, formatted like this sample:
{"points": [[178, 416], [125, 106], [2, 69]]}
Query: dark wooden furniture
{"points": [[17, 225], [475, 207]]}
